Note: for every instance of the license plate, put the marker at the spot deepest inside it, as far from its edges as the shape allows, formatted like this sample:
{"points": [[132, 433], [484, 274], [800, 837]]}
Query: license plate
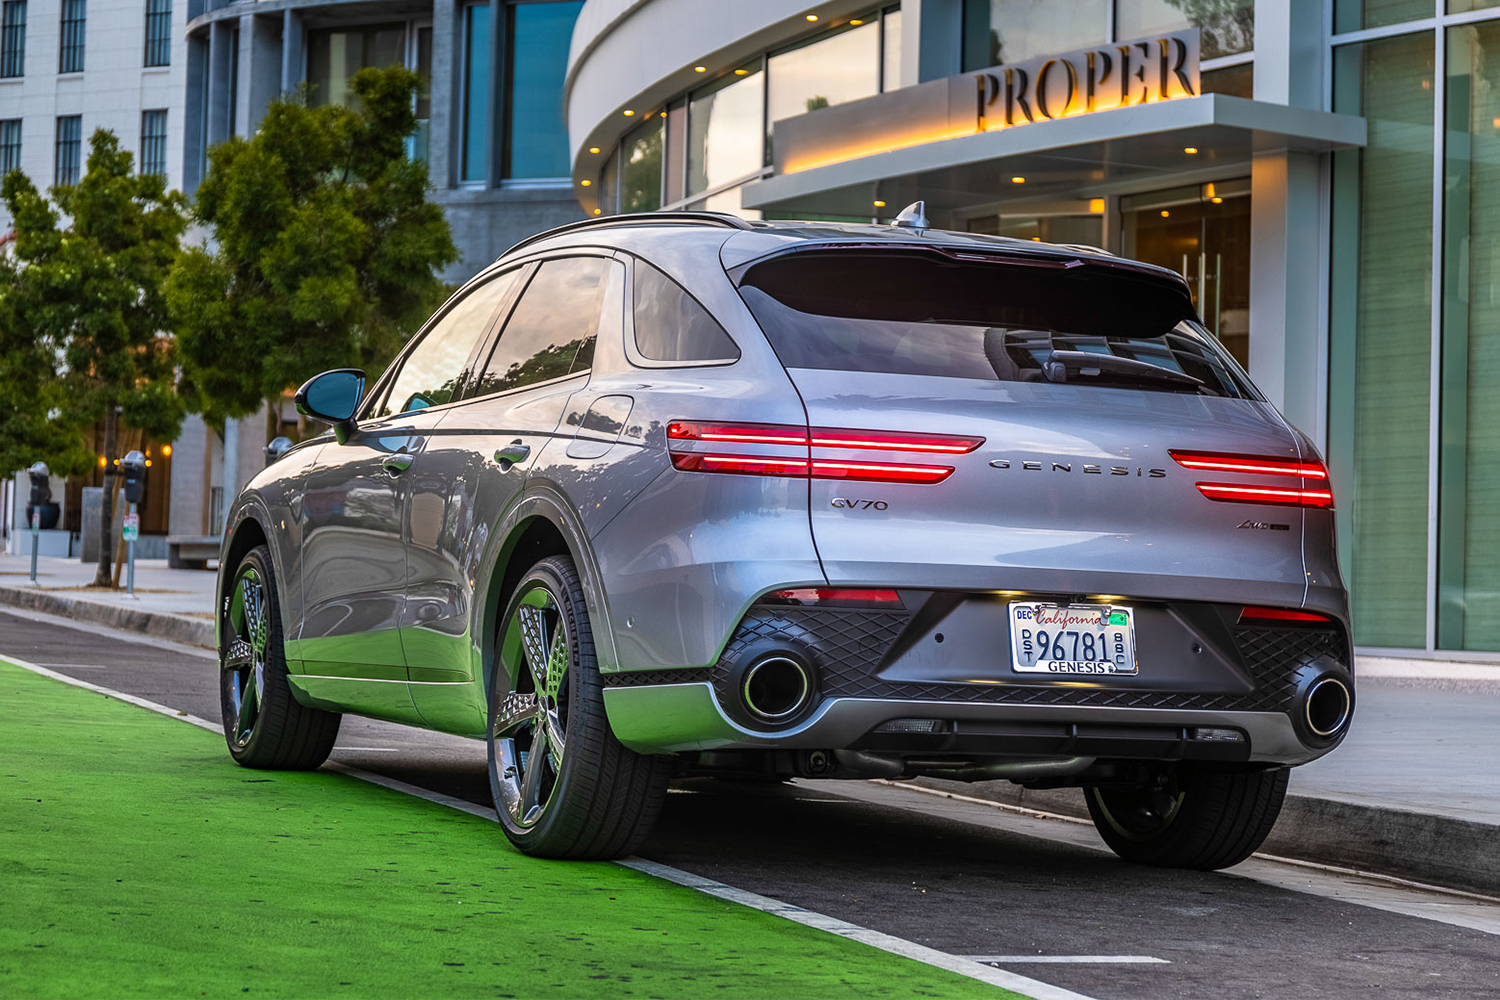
{"points": [[1072, 639]]}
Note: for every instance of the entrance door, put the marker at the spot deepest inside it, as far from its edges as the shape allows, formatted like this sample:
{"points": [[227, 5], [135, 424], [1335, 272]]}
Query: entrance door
{"points": [[1203, 233]]}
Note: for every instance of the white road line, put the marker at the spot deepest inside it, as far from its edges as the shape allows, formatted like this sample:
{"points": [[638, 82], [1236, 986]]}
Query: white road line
{"points": [[885, 942], [1411, 899], [370, 749], [854, 932], [1068, 959]]}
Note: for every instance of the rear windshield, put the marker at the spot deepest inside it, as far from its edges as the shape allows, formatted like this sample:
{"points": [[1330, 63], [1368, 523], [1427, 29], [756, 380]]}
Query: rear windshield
{"points": [[926, 313]]}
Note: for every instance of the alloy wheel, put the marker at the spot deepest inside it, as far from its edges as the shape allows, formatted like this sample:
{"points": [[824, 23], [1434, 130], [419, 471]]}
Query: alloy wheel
{"points": [[529, 729], [244, 667], [1139, 814]]}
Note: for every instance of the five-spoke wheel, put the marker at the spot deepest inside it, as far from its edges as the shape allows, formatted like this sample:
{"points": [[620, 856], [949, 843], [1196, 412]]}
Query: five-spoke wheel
{"points": [[530, 725], [244, 674]]}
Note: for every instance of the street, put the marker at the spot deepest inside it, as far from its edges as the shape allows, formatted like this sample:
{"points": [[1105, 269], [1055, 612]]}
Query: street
{"points": [[968, 879]]}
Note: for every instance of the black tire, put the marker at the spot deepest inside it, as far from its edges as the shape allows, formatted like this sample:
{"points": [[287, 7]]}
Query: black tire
{"points": [[277, 733], [601, 800], [1203, 818]]}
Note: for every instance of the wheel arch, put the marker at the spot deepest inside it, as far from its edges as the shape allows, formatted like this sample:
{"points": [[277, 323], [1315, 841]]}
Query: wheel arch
{"points": [[244, 533]]}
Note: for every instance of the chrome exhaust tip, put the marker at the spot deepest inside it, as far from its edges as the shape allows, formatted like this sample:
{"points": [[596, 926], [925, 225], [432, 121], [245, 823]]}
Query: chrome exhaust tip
{"points": [[1327, 706], [776, 687]]}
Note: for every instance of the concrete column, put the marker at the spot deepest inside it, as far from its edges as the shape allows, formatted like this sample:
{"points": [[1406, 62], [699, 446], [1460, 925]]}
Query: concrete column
{"points": [[447, 88], [187, 504], [194, 139], [931, 40], [292, 71], [259, 69], [1287, 329], [217, 116]]}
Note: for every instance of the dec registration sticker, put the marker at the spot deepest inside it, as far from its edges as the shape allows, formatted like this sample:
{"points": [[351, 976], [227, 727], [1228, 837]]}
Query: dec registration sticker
{"points": [[1073, 639]]}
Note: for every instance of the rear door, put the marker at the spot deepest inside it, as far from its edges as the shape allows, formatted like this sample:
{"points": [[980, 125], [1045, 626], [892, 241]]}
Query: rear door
{"points": [[1008, 424]]}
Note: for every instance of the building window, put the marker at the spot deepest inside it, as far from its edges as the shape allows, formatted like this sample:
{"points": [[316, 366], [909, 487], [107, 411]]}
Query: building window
{"points": [[154, 142], [158, 32], [830, 69], [478, 36], [13, 38], [69, 149], [1010, 31], [1380, 350], [726, 134], [1352, 15], [536, 140], [10, 145], [1228, 26], [890, 58], [335, 55], [417, 143], [640, 174], [70, 52]]}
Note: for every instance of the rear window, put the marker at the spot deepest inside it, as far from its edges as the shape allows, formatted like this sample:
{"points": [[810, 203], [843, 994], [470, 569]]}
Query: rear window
{"points": [[925, 313]]}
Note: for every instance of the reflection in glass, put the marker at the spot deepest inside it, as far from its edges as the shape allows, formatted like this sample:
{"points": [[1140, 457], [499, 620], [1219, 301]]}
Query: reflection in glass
{"points": [[476, 137], [1010, 31], [1380, 323], [640, 178], [609, 184], [1352, 15], [1469, 483], [551, 331], [725, 137], [1236, 81], [836, 68], [333, 56], [1228, 25], [430, 374], [537, 140]]}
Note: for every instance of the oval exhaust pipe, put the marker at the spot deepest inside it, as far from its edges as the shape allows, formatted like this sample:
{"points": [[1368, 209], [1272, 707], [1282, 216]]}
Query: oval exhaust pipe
{"points": [[776, 687], [1327, 705]]}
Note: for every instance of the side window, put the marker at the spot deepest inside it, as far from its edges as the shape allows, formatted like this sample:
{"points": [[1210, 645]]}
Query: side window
{"points": [[670, 325], [430, 374], [551, 331]]}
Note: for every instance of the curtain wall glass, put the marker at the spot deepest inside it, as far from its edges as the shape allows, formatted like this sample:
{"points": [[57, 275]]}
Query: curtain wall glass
{"points": [[1352, 15], [333, 56], [474, 159], [536, 137], [890, 65], [1010, 31], [1228, 26], [640, 173], [1381, 333], [1469, 456], [833, 69], [726, 136]]}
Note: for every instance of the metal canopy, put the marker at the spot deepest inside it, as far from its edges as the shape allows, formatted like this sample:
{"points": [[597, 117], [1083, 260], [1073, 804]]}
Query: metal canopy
{"points": [[1104, 152]]}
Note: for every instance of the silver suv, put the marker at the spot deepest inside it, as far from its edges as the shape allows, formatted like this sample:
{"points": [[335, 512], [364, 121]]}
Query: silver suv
{"points": [[677, 494]]}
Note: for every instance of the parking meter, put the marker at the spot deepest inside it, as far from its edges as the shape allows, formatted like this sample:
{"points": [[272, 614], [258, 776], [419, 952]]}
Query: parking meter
{"points": [[133, 468], [276, 448], [41, 506]]}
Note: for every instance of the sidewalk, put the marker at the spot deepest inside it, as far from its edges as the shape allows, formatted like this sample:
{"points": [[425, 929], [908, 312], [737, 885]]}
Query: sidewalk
{"points": [[1412, 791]]}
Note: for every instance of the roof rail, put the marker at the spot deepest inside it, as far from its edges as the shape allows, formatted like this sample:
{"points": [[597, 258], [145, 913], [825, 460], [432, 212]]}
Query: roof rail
{"points": [[723, 219]]}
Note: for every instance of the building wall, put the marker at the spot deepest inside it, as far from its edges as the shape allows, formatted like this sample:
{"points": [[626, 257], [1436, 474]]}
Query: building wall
{"points": [[111, 92]]}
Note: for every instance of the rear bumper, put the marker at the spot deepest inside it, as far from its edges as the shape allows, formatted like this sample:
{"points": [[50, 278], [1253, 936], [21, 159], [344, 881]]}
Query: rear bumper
{"points": [[672, 718]]}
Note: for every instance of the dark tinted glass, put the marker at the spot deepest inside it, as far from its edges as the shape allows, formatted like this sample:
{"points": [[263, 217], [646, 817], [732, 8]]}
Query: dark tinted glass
{"points": [[930, 314], [551, 331], [431, 373], [670, 325]]}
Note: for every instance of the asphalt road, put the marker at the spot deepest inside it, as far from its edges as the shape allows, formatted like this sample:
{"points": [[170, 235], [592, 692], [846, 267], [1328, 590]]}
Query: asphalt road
{"points": [[965, 879]]}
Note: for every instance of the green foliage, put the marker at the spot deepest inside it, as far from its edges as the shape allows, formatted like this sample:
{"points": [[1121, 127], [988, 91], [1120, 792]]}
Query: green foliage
{"points": [[323, 248], [81, 311]]}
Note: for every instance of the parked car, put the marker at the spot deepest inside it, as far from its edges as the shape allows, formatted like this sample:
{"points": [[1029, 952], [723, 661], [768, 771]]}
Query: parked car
{"points": [[678, 494]]}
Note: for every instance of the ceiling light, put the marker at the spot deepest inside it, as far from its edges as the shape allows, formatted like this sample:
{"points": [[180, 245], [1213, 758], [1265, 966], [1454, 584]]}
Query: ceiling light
{"points": [[1165, 214], [1018, 180], [585, 183], [742, 72], [1218, 201], [593, 149], [880, 204], [812, 17], [700, 69], [1190, 150], [664, 114], [856, 21], [597, 211], [628, 112]]}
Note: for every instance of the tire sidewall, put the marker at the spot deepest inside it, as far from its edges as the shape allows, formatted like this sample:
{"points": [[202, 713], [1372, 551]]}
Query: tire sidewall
{"points": [[274, 680]]}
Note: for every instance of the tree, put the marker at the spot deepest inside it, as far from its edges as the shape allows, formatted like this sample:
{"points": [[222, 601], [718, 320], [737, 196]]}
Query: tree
{"points": [[323, 252], [85, 308]]}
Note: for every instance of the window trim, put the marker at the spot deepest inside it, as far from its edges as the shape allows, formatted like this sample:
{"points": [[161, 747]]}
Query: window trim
{"points": [[5, 126], [492, 338], [632, 351], [162, 41], [17, 30], [57, 149], [79, 27]]}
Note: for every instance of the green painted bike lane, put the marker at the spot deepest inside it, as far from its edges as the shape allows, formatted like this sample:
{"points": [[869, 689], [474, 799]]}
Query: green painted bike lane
{"points": [[137, 860]]}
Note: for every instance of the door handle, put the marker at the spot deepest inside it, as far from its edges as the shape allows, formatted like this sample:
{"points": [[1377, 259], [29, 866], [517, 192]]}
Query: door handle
{"points": [[511, 454], [397, 463]]}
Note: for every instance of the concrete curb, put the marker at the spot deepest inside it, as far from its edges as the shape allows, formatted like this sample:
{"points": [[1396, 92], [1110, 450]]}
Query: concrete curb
{"points": [[156, 624], [1437, 850]]}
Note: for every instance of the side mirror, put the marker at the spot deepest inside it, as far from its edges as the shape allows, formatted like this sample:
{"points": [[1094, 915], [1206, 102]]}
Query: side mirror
{"points": [[333, 397]]}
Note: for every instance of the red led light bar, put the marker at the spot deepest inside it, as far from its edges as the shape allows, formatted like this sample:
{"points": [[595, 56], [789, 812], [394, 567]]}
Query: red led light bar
{"points": [[1252, 613], [1285, 496], [730, 461], [814, 595], [1254, 464]]}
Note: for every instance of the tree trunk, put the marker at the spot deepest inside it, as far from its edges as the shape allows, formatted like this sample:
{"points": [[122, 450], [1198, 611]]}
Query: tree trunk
{"points": [[102, 578]]}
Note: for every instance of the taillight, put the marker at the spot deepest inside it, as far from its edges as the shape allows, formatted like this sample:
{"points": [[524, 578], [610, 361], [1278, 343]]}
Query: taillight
{"points": [[1253, 613], [727, 458], [831, 595], [1317, 495]]}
